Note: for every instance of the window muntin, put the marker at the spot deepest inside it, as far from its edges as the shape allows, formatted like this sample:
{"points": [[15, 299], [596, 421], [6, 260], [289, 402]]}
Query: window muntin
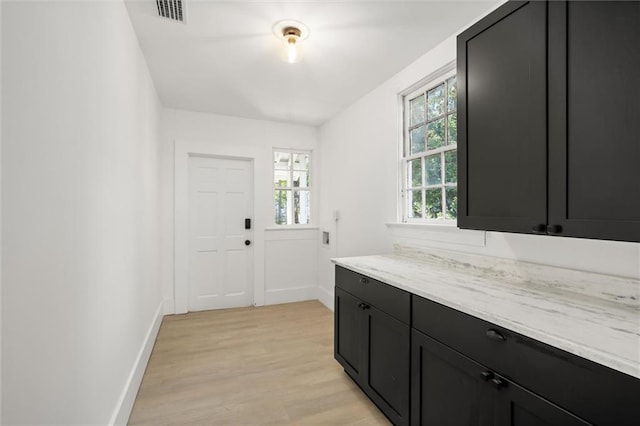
{"points": [[292, 187], [430, 172]]}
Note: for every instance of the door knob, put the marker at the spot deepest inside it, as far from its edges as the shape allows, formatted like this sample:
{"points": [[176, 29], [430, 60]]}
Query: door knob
{"points": [[247, 242]]}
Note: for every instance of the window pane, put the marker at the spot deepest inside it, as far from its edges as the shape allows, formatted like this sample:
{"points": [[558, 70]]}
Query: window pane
{"points": [[435, 102], [414, 201], [417, 110], [452, 130], [281, 201], [417, 140], [451, 94], [301, 207], [300, 179], [451, 166], [415, 173], [452, 202], [433, 169], [433, 203], [281, 178], [301, 162], [435, 134], [281, 160]]}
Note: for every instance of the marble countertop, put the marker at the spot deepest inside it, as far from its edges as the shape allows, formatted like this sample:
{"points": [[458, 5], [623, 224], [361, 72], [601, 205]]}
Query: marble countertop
{"points": [[593, 316]]}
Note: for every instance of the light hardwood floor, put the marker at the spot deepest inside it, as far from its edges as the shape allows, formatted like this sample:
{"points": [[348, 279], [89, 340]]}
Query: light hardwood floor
{"points": [[266, 365]]}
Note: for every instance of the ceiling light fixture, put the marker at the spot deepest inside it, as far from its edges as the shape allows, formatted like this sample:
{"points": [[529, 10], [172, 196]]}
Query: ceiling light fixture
{"points": [[292, 33]]}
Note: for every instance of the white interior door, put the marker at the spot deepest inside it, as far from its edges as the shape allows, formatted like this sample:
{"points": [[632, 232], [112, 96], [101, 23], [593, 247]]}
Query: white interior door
{"points": [[220, 262]]}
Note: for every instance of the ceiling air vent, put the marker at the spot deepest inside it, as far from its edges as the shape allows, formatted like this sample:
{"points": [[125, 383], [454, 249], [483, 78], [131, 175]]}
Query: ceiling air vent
{"points": [[171, 9]]}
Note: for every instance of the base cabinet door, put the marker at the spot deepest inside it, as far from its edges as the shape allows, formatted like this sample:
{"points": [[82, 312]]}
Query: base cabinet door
{"points": [[515, 406], [349, 337], [387, 343], [447, 388]]}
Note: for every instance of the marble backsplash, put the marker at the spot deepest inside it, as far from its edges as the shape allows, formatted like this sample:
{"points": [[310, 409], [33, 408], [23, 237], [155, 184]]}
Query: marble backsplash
{"points": [[583, 284]]}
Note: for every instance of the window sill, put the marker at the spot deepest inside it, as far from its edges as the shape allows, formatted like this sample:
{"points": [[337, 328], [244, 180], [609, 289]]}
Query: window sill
{"points": [[292, 228], [423, 225]]}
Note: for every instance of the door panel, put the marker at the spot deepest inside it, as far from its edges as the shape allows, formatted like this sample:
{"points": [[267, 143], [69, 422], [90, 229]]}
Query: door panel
{"points": [[348, 329], [220, 264], [447, 387], [387, 344], [515, 406], [594, 105], [502, 120]]}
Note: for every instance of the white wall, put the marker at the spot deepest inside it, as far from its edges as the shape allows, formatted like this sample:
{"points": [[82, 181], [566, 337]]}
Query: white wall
{"points": [[359, 163], [80, 295], [255, 139], [0, 214]]}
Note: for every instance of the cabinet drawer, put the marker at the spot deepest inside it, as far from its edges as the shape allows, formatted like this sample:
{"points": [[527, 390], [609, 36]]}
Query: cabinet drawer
{"points": [[389, 299], [592, 391]]}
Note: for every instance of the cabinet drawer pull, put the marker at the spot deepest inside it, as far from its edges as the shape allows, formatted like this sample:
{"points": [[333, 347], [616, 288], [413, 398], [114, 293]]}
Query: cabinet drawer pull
{"points": [[363, 280], [554, 229], [498, 383], [540, 228], [486, 375], [495, 335]]}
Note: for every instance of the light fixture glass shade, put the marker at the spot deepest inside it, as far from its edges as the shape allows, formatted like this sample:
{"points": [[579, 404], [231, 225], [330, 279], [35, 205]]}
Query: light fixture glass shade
{"points": [[292, 50], [291, 33]]}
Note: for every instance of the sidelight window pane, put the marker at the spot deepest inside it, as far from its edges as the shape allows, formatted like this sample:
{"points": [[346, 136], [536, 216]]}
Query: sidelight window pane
{"points": [[301, 207], [281, 203], [451, 94], [281, 178], [414, 201], [435, 102], [435, 134], [451, 166], [415, 173], [452, 129], [433, 203], [452, 202], [417, 140], [301, 162], [281, 160], [433, 169], [300, 179], [417, 110]]}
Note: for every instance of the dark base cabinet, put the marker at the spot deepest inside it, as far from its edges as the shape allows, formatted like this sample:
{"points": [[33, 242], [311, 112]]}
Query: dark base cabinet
{"points": [[451, 389], [371, 345], [424, 363]]}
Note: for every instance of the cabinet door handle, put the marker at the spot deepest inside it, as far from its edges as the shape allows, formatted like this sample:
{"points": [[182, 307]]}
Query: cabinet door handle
{"points": [[495, 335], [486, 375], [365, 306], [363, 280], [498, 383], [540, 228], [554, 229]]}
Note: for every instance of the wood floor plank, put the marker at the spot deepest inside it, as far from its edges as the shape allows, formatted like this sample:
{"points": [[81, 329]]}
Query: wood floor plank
{"points": [[270, 365]]}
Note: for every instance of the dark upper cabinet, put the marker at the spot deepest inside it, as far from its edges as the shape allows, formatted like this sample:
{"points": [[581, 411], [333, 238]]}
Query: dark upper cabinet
{"points": [[548, 139], [594, 119], [502, 172]]}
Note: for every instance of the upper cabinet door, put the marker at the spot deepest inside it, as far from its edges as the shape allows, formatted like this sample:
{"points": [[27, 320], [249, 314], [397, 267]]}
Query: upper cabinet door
{"points": [[594, 119], [502, 120]]}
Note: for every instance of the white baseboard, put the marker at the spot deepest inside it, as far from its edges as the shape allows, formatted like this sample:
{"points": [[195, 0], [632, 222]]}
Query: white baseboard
{"points": [[325, 296], [124, 406], [300, 294], [169, 307]]}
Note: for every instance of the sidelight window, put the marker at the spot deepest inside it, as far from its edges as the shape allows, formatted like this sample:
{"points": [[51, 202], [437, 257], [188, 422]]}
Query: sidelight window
{"points": [[292, 187], [429, 163]]}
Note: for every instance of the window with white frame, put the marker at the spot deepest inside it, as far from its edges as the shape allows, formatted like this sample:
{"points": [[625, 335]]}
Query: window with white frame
{"points": [[430, 171], [292, 187]]}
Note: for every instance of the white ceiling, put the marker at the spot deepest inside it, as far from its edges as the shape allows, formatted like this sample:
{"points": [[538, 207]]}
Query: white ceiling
{"points": [[226, 60]]}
